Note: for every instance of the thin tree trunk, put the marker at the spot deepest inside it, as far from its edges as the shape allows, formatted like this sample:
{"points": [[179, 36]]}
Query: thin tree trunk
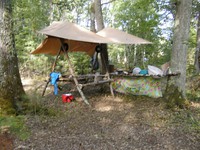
{"points": [[98, 15], [11, 88], [92, 18], [197, 53], [51, 10], [180, 42]]}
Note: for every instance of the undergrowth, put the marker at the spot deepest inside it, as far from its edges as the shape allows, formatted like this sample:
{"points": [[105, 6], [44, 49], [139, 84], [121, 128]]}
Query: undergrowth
{"points": [[35, 105], [41, 106], [14, 125], [188, 120]]}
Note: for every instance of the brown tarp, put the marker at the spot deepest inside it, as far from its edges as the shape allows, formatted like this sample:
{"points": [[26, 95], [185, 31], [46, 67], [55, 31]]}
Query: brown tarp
{"points": [[51, 46], [81, 39], [121, 37], [77, 38], [71, 31]]}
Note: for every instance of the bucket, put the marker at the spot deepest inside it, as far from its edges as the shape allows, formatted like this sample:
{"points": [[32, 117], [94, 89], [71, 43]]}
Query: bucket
{"points": [[67, 98]]}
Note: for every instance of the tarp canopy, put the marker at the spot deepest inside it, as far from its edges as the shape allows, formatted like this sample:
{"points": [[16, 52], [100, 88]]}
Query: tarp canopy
{"points": [[71, 31], [52, 45], [77, 38], [121, 37], [81, 39]]}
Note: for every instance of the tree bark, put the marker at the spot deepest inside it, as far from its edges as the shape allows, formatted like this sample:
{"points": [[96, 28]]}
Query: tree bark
{"points": [[92, 18], [100, 26], [98, 15], [180, 42], [11, 88], [197, 53]]}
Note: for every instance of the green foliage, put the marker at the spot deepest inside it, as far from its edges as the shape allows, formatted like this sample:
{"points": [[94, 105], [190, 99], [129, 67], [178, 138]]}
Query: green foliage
{"points": [[174, 98], [141, 18], [81, 62], [15, 125], [188, 119], [193, 92], [150, 19], [72, 10], [116, 53], [6, 107], [36, 106], [29, 17]]}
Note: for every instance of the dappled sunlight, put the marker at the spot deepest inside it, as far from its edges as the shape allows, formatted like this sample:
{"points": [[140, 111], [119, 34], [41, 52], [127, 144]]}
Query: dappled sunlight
{"points": [[155, 117], [124, 128], [110, 104], [131, 117], [125, 131], [105, 121], [27, 81], [117, 99], [103, 108], [33, 86], [195, 104]]}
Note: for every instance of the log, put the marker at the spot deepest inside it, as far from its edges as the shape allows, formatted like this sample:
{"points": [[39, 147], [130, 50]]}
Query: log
{"points": [[96, 83]]}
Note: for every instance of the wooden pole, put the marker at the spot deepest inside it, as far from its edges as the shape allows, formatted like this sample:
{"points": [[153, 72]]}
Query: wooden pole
{"points": [[54, 64], [53, 68], [107, 73], [73, 74]]}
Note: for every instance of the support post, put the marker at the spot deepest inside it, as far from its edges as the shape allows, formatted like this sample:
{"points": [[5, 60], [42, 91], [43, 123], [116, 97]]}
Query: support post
{"points": [[107, 73], [53, 68], [72, 73]]}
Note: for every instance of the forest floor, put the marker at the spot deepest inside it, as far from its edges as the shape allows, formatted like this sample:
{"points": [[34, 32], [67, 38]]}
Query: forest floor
{"points": [[120, 123]]}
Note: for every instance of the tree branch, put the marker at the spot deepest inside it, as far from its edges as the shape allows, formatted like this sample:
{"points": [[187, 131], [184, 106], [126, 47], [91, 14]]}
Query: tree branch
{"points": [[108, 2]]}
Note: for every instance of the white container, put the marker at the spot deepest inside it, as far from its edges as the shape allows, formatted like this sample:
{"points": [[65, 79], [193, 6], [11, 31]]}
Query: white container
{"points": [[152, 70], [136, 70]]}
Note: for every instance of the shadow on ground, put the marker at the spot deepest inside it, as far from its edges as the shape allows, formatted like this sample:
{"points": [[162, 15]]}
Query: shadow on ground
{"points": [[120, 123]]}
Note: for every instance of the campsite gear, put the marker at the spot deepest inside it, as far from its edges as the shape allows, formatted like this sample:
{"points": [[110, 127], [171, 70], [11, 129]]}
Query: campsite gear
{"points": [[143, 72], [54, 78], [95, 62], [166, 68], [78, 39], [111, 68], [152, 70], [120, 71], [136, 70], [67, 98], [138, 86]]}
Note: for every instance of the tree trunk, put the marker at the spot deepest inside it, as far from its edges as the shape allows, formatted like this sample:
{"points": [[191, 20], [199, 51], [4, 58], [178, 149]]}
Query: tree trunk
{"points": [[11, 89], [180, 42], [197, 53], [92, 18], [98, 15], [100, 26]]}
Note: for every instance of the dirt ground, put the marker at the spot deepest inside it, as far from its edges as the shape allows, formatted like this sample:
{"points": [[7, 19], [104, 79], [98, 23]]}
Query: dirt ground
{"points": [[120, 123]]}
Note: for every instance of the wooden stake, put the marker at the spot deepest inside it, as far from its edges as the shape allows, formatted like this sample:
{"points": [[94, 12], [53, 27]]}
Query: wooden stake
{"points": [[72, 73], [53, 68], [108, 75]]}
